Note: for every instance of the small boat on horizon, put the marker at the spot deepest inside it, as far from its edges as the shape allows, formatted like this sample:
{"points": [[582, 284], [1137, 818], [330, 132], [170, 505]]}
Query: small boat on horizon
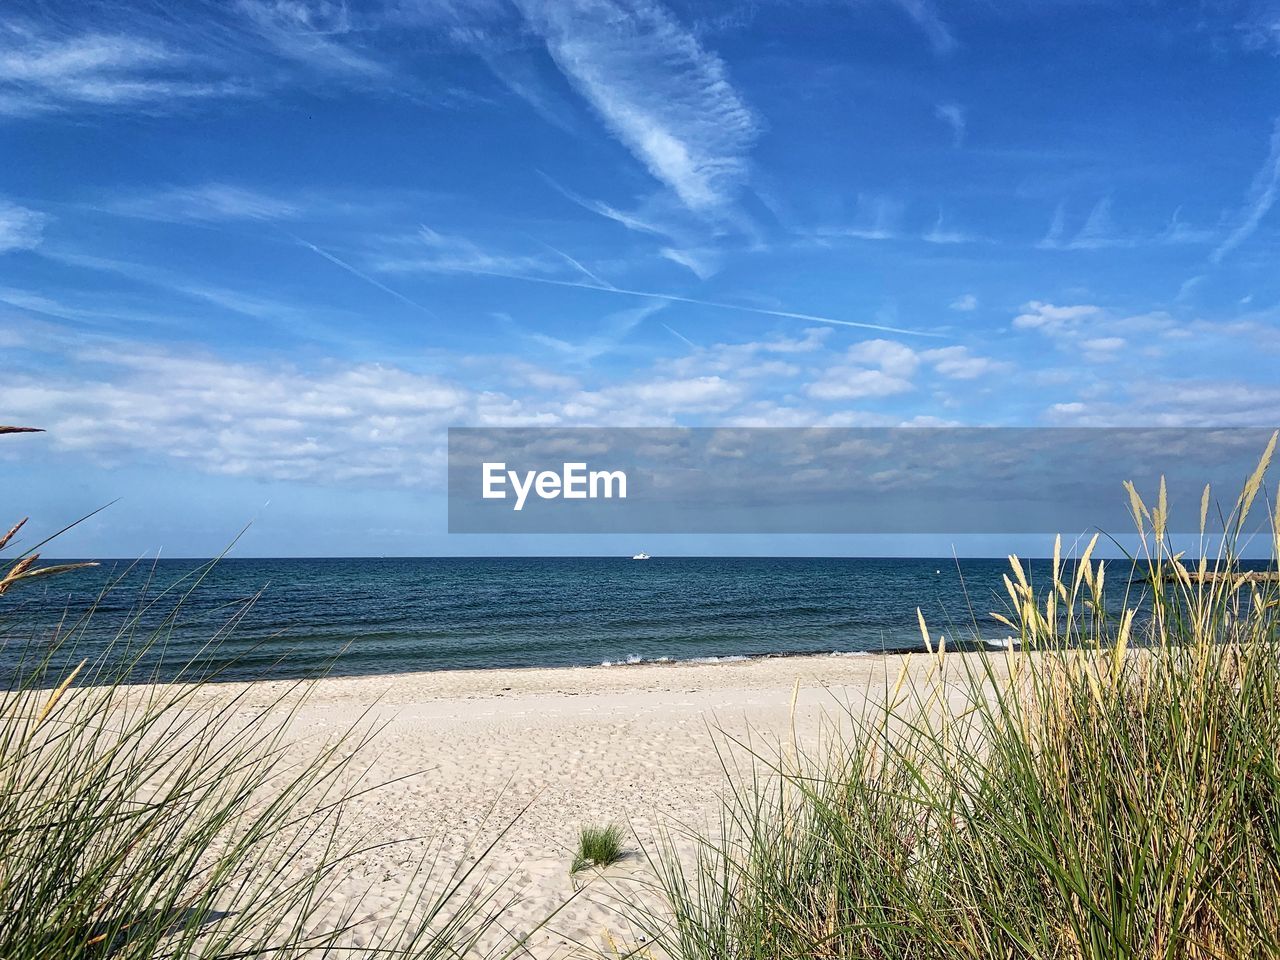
{"points": [[642, 556]]}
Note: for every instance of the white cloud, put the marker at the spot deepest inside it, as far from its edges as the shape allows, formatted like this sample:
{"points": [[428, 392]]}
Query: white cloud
{"points": [[41, 72], [697, 393], [1099, 230], [523, 373], [520, 69], [20, 228], [878, 218], [958, 363], [890, 356], [1188, 287], [1262, 196], [941, 233], [224, 417], [1052, 240], [965, 303], [312, 32], [813, 340], [928, 20], [761, 358], [953, 115], [877, 368], [638, 222], [608, 336], [659, 91], [768, 414], [1179, 231], [206, 203], [1066, 411], [339, 422], [654, 400], [1262, 29], [1180, 402], [1103, 348], [894, 365], [1049, 318], [346, 422], [701, 263], [855, 384], [155, 60], [444, 253], [1097, 335]]}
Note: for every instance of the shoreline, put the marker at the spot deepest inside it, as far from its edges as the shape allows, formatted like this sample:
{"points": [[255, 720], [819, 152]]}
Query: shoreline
{"points": [[630, 664], [743, 672]]}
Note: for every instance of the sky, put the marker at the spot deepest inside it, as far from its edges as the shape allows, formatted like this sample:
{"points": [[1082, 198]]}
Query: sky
{"points": [[257, 256]]}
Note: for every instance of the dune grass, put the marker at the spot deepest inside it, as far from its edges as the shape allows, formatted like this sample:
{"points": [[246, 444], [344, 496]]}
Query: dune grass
{"points": [[598, 847], [1110, 790], [180, 820], [141, 821]]}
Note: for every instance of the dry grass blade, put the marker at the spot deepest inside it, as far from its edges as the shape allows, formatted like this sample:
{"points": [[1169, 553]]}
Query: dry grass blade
{"points": [[57, 694], [25, 569], [4, 541]]}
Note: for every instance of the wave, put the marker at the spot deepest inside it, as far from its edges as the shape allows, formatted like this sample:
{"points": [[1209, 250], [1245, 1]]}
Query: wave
{"points": [[997, 643], [635, 660]]}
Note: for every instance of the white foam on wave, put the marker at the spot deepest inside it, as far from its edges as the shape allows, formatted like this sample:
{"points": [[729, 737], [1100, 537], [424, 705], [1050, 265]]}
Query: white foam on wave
{"points": [[633, 660]]}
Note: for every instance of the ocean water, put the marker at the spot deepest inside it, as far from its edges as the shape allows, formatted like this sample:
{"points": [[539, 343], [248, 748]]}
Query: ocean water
{"points": [[294, 617]]}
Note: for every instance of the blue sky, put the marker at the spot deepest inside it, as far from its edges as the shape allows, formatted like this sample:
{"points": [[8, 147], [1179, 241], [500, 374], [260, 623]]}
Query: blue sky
{"points": [[256, 257]]}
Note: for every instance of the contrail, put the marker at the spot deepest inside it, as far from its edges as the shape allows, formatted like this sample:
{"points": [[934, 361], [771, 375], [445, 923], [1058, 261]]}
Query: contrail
{"points": [[672, 298], [600, 280], [1266, 185], [676, 333], [363, 276]]}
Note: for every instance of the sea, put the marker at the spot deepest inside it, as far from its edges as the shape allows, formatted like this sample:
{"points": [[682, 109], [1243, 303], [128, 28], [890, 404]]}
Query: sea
{"points": [[240, 619]]}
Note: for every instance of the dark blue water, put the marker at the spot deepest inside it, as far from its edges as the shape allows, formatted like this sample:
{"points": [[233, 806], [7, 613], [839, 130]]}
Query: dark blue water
{"points": [[289, 618]]}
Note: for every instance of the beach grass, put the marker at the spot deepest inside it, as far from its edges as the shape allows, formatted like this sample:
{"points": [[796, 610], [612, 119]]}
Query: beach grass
{"points": [[598, 847], [1111, 788], [141, 820], [179, 819]]}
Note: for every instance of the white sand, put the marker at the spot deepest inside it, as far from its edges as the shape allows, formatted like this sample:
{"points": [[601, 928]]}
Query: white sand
{"points": [[628, 744]]}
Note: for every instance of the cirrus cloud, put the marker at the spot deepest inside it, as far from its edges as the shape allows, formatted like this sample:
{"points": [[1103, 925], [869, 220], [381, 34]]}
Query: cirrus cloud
{"points": [[665, 96], [20, 228]]}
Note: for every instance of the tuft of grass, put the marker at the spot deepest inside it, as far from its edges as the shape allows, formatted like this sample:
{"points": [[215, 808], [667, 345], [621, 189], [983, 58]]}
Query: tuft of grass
{"points": [[598, 847], [1110, 789]]}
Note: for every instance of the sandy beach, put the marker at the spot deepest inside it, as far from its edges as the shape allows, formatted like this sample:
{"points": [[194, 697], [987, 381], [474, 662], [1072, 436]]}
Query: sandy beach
{"points": [[633, 744]]}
